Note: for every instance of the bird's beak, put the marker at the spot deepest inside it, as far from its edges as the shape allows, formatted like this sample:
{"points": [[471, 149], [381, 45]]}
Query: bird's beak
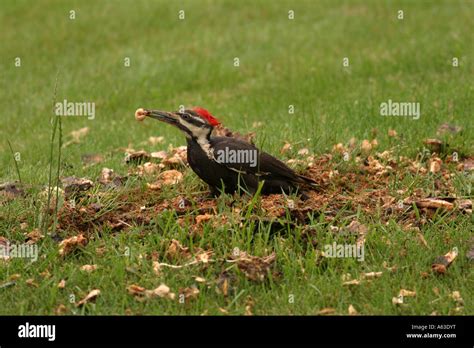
{"points": [[163, 116]]}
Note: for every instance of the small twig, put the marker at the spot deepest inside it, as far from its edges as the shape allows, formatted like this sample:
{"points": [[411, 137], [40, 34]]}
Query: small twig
{"points": [[7, 284], [123, 222]]}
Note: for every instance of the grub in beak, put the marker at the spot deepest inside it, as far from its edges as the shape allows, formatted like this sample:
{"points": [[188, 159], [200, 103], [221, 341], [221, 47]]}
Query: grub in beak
{"points": [[140, 114]]}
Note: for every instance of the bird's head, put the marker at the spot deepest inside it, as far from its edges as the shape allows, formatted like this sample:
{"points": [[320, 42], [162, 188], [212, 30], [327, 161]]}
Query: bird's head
{"points": [[195, 123]]}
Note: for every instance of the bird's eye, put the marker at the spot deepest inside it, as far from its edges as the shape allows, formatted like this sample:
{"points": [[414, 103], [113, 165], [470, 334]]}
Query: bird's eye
{"points": [[186, 116]]}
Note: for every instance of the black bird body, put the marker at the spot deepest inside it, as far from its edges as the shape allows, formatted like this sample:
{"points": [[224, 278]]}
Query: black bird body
{"points": [[205, 157], [276, 175]]}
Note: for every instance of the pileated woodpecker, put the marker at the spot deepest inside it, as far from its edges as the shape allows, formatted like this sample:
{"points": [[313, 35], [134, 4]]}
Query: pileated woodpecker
{"points": [[228, 163]]}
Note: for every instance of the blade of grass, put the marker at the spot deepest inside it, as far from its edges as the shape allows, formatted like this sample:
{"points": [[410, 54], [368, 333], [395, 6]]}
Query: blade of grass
{"points": [[51, 153], [14, 160]]}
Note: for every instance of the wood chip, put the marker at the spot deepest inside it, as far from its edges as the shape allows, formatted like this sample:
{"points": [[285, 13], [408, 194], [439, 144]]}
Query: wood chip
{"points": [[441, 263], [407, 293], [88, 268], [91, 296], [62, 284], [70, 244], [434, 203], [372, 275], [326, 311], [352, 311]]}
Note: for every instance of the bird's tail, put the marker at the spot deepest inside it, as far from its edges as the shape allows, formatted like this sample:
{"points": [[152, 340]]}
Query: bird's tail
{"points": [[308, 181]]}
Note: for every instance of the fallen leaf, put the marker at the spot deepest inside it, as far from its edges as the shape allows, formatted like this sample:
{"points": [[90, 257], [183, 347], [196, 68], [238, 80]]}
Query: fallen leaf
{"points": [[171, 177], [91, 296], [161, 155], [148, 168], [135, 290], [303, 152], [249, 304], [168, 177], [34, 236], [397, 300], [70, 244], [352, 282], [422, 239], [10, 191], [106, 175], [356, 227], [204, 257], [352, 311], [173, 158], [456, 296], [88, 268], [62, 284], [407, 293], [176, 250], [15, 276], [339, 148], [75, 186], [372, 275], [366, 146], [156, 268], [434, 145], [286, 147], [161, 291], [441, 263], [100, 251], [61, 310], [136, 157], [189, 293], [45, 274], [433, 203], [389, 268], [468, 164], [392, 133], [202, 218], [224, 283], [326, 311], [31, 282], [255, 268], [435, 164], [346, 277]]}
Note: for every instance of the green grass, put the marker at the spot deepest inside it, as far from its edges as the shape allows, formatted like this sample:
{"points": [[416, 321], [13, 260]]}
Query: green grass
{"points": [[282, 62]]}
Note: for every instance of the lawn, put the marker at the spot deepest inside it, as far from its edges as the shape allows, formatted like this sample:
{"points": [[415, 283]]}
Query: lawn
{"points": [[313, 81]]}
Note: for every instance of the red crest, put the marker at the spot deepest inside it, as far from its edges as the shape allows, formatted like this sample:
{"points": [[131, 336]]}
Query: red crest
{"points": [[207, 116]]}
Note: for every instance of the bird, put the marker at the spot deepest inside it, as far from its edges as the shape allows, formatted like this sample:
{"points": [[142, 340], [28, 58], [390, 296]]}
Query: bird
{"points": [[229, 164]]}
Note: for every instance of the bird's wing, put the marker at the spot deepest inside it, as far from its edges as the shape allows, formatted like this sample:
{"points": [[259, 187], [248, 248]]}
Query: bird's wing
{"points": [[247, 159]]}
